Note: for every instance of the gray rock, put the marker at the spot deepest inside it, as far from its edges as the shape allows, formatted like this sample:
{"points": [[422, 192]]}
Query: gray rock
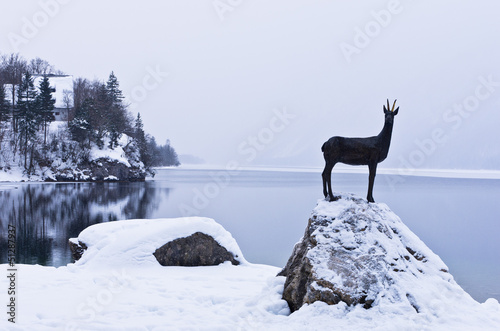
{"points": [[100, 170], [198, 249], [357, 252]]}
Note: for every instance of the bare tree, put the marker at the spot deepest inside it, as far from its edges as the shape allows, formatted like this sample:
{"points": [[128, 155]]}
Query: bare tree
{"points": [[14, 66], [39, 66]]}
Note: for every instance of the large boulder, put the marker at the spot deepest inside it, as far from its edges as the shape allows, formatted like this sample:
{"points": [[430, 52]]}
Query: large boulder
{"points": [[198, 249], [187, 241], [361, 253]]}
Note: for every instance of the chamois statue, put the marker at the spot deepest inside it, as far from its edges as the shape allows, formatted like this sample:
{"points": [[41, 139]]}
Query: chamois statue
{"points": [[358, 151]]}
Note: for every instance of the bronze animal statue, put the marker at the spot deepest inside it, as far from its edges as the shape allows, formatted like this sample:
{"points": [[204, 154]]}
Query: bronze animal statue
{"points": [[358, 151]]}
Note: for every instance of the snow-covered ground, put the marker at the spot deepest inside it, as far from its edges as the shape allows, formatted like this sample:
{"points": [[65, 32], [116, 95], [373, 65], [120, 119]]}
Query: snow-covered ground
{"points": [[117, 285]]}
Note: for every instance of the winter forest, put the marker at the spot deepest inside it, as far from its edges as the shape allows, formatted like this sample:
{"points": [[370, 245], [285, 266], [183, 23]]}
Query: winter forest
{"points": [[96, 117]]}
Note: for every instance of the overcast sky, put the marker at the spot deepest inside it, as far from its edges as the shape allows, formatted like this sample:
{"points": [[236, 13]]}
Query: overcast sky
{"points": [[267, 82]]}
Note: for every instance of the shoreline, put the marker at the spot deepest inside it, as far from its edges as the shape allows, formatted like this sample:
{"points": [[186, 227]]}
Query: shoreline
{"points": [[434, 173]]}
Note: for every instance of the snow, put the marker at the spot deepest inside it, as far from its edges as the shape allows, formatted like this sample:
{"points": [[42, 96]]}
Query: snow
{"points": [[117, 285], [140, 238], [116, 154], [15, 174]]}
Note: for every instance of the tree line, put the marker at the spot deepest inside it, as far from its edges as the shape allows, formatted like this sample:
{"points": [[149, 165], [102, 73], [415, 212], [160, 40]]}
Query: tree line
{"points": [[99, 116]]}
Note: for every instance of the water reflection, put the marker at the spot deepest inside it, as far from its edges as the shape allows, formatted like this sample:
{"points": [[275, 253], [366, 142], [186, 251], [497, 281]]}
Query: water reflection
{"points": [[46, 215], [265, 211]]}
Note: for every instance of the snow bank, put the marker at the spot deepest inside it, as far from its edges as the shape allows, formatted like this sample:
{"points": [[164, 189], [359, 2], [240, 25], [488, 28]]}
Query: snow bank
{"points": [[118, 285], [133, 242]]}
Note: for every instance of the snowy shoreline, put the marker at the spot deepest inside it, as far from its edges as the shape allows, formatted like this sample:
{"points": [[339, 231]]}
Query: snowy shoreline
{"points": [[117, 285], [15, 174]]}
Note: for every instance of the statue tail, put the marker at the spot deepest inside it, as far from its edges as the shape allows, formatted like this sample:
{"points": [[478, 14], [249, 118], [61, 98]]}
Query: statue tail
{"points": [[323, 147]]}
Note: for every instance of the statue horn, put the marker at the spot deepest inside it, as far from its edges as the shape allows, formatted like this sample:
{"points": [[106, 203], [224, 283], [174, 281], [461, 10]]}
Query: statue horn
{"points": [[388, 107], [394, 105]]}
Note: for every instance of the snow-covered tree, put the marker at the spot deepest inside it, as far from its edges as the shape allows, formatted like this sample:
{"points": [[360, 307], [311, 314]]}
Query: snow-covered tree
{"points": [[28, 118], [140, 139], [113, 87], [45, 104], [117, 121], [81, 126]]}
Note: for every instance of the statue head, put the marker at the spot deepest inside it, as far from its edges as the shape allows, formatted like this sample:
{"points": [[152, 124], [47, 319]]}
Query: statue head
{"points": [[391, 112]]}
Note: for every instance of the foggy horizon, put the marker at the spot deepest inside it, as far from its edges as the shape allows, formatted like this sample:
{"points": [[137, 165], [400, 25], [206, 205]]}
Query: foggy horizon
{"points": [[266, 84]]}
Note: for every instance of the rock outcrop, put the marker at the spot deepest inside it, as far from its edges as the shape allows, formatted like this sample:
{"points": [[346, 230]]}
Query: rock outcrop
{"points": [[100, 170], [360, 253], [198, 249]]}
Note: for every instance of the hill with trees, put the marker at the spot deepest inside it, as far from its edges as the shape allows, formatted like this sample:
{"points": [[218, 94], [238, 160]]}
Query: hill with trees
{"points": [[100, 139]]}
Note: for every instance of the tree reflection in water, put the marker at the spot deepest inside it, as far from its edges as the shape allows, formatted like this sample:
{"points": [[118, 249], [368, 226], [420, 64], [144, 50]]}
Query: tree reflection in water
{"points": [[47, 215]]}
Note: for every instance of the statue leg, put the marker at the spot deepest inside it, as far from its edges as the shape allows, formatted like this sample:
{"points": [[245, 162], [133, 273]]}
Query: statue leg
{"points": [[327, 180], [324, 175], [372, 167]]}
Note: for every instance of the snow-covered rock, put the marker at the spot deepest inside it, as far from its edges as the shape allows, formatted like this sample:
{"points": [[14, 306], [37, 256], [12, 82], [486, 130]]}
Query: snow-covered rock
{"points": [[134, 242], [362, 253]]}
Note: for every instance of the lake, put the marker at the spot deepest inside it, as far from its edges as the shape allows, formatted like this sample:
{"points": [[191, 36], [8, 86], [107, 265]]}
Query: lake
{"points": [[266, 212]]}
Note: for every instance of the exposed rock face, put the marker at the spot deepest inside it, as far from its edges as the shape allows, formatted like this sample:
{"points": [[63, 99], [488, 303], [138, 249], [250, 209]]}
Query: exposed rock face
{"points": [[106, 170], [101, 170], [198, 249], [77, 248], [359, 253]]}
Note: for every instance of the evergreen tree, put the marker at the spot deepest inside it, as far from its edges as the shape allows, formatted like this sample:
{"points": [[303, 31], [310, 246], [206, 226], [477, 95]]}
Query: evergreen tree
{"points": [[45, 104], [80, 126], [140, 138], [113, 88], [140, 135], [116, 115], [4, 104], [28, 117], [100, 115]]}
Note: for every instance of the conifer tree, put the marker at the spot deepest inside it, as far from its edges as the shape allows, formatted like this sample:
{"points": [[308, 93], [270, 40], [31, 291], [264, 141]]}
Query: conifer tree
{"points": [[45, 104], [80, 126], [116, 117], [113, 88], [4, 104], [100, 116], [140, 138], [28, 116]]}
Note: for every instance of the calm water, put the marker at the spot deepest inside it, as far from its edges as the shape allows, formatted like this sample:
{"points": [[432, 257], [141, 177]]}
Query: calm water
{"points": [[265, 211]]}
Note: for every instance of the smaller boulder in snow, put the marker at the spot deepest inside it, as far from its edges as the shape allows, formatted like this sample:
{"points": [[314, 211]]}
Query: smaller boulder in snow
{"points": [[186, 241], [198, 249], [77, 248]]}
